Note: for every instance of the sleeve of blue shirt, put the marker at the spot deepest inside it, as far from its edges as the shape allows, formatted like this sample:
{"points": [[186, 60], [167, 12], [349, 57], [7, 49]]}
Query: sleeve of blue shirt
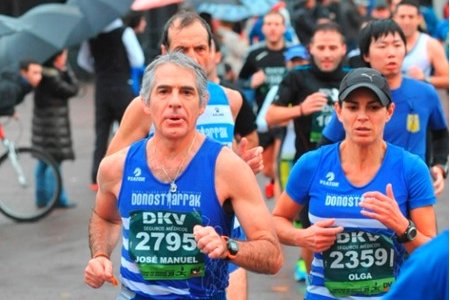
{"points": [[334, 131], [437, 118], [421, 191], [424, 274], [300, 178]]}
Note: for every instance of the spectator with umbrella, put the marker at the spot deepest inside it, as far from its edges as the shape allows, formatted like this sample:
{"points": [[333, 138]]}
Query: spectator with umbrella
{"points": [[51, 123]]}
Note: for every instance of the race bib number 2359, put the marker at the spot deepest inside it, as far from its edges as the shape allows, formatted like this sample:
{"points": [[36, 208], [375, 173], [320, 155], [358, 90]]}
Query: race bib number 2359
{"points": [[359, 263]]}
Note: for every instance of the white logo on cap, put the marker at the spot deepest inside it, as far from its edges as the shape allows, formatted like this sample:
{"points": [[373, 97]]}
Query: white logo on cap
{"points": [[368, 76]]}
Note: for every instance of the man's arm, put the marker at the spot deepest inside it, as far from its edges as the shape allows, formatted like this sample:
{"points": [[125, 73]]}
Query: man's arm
{"points": [[280, 115], [105, 222], [234, 99], [439, 169], [245, 125], [440, 64], [135, 125], [262, 252], [133, 48]]}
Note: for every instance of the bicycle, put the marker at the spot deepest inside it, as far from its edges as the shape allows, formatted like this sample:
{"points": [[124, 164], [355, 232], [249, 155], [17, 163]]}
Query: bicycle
{"points": [[20, 198]]}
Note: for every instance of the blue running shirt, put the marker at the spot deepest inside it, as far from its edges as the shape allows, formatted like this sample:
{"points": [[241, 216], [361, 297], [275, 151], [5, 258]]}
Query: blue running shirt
{"points": [[366, 250]]}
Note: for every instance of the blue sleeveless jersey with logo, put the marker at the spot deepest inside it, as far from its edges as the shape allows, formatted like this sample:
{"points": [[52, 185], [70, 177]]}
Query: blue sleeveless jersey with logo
{"points": [[318, 177], [144, 195], [217, 120]]}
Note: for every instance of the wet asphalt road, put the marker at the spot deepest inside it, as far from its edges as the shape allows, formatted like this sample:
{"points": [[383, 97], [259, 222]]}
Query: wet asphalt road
{"points": [[45, 260]]}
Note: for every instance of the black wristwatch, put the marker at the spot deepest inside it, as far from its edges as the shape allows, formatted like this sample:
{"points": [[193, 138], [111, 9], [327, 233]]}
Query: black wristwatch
{"points": [[232, 247], [409, 234]]}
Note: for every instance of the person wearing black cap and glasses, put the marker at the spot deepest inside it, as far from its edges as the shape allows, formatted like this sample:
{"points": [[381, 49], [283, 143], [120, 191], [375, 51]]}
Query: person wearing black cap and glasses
{"points": [[370, 202]]}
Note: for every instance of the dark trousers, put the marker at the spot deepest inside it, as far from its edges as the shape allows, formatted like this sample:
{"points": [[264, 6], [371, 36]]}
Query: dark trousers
{"points": [[111, 100]]}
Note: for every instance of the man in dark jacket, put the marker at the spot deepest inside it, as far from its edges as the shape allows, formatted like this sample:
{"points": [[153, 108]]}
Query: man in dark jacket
{"points": [[15, 86], [111, 56]]}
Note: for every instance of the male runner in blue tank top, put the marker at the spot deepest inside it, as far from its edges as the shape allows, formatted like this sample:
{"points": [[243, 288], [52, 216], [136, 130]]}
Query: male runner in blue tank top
{"points": [[188, 33], [167, 194]]}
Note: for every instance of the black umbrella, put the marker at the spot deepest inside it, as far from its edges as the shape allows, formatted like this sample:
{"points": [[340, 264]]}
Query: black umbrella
{"points": [[45, 31], [97, 15]]}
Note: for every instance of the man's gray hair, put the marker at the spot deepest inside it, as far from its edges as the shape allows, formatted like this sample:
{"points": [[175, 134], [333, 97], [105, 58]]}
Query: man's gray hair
{"points": [[181, 60]]}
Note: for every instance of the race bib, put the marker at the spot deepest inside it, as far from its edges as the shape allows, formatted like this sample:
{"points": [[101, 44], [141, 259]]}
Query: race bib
{"points": [[162, 245], [359, 263]]}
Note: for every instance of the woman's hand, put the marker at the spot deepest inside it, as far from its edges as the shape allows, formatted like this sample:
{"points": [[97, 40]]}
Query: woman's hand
{"points": [[320, 236], [385, 209]]}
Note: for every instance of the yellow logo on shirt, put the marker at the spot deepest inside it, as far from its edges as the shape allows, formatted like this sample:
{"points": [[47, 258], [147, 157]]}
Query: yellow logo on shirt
{"points": [[413, 123]]}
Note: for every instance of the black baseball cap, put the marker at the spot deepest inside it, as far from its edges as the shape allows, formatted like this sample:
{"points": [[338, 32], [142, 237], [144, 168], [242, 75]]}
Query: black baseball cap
{"points": [[365, 78]]}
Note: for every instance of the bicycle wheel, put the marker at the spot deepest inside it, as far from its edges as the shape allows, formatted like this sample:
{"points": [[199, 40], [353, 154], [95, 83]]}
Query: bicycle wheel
{"points": [[21, 196]]}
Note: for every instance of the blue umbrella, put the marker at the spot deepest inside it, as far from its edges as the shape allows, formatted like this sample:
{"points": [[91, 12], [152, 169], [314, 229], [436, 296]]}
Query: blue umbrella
{"points": [[234, 10], [44, 31], [9, 25], [97, 15]]}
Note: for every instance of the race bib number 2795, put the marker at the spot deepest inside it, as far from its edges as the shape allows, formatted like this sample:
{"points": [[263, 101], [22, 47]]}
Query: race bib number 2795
{"points": [[162, 245]]}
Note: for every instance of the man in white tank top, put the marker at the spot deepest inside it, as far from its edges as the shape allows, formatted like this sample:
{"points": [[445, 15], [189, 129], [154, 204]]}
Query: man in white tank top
{"points": [[425, 59]]}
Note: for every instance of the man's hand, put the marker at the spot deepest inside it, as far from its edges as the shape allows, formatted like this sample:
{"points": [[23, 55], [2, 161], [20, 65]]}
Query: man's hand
{"points": [[313, 103], [438, 180], [253, 156], [257, 79], [99, 270], [210, 242], [416, 73]]}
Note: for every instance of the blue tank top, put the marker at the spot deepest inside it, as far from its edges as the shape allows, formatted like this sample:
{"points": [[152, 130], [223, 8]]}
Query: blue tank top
{"points": [[217, 121], [160, 258], [366, 251]]}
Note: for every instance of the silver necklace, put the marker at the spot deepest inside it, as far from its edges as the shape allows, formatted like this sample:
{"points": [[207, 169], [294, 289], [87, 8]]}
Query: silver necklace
{"points": [[173, 186]]}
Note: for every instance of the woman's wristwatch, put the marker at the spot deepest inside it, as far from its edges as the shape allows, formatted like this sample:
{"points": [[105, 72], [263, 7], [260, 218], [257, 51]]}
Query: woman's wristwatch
{"points": [[409, 234]]}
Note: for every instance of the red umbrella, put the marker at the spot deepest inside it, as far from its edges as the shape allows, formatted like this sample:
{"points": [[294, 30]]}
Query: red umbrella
{"points": [[150, 4]]}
